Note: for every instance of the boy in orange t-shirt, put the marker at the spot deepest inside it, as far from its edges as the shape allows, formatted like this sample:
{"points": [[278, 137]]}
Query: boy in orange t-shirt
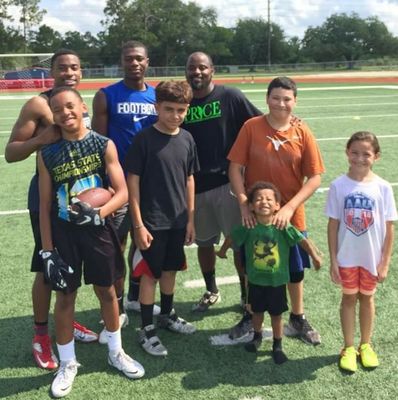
{"points": [[280, 148]]}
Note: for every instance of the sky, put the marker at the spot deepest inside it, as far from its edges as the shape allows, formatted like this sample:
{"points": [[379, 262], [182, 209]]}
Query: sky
{"points": [[293, 16]]}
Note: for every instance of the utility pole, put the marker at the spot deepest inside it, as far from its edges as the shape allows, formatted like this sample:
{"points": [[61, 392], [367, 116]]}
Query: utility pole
{"points": [[269, 35]]}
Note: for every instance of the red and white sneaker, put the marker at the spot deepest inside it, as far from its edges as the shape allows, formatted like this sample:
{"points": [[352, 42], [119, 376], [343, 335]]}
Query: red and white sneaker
{"points": [[83, 334], [43, 352]]}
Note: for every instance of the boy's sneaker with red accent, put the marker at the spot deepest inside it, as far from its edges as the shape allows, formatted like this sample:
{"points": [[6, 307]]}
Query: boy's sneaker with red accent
{"points": [[43, 352], [83, 334]]}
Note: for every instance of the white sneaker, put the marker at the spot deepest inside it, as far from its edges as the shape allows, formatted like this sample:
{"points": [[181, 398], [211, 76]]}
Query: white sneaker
{"points": [[124, 363], [134, 305], [64, 377], [150, 342], [174, 323], [123, 322]]}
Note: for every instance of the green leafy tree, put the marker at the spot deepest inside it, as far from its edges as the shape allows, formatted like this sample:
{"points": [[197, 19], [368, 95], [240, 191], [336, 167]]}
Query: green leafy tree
{"points": [[31, 15], [86, 45], [250, 44], [345, 37], [4, 10], [11, 41], [171, 30], [45, 40]]}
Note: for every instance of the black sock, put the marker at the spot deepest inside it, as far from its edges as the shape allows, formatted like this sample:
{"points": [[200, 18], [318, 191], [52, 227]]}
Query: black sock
{"points": [[255, 343], [120, 303], [297, 317], [41, 328], [134, 289], [166, 303], [242, 287], [146, 314], [210, 279], [277, 344], [278, 355]]}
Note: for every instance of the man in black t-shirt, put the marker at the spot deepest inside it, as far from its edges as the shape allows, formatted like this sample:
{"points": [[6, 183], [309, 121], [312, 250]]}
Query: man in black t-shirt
{"points": [[214, 118]]}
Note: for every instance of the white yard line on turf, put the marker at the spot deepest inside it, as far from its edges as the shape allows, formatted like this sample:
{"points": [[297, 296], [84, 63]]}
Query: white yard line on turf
{"points": [[302, 89], [16, 212], [310, 89], [222, 280]]}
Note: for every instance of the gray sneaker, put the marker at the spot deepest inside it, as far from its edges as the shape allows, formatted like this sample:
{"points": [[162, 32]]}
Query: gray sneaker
{"points": [[242, 328], [207, 300], [150, 342], [175, 324], [124, 363], [302, 329]]}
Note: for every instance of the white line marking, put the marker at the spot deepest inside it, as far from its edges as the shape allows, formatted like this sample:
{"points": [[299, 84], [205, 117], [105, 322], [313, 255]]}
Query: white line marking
{"points": [[309, 89], [301, 89], [27, 97], [223, 280], [224, 340], [346, 138], [14, 212]]}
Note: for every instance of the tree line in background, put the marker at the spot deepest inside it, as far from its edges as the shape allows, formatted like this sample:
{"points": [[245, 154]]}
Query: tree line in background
{"points": [[172, 30]]}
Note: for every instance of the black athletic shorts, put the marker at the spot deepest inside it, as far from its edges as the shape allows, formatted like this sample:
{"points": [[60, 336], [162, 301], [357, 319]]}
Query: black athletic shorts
{"points": [[268, 298], [166, 252], [91, 251], [36, 263]]}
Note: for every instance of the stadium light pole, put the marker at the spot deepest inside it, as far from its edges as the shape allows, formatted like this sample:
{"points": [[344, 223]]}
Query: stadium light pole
{"points": [[269, 35]]}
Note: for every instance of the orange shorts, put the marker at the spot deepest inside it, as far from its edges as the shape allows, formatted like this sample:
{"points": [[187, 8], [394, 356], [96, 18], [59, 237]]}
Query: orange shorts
{"points": [[357, 279]]}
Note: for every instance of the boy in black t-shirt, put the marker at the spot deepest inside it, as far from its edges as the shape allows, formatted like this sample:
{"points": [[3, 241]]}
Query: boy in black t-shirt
{"points": [[161, 162]]}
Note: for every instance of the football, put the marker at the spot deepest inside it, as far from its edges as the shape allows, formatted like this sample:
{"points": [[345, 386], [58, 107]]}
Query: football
{"points": [[95, 197]]}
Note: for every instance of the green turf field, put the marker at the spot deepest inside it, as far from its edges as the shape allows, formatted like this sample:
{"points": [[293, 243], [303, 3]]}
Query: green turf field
{"points": [[194, 368]]}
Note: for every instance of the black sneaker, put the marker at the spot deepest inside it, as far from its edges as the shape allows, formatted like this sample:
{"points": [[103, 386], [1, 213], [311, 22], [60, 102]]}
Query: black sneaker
{"points": [[254, 344], [300, 327], [279, 356], [242, 328]]}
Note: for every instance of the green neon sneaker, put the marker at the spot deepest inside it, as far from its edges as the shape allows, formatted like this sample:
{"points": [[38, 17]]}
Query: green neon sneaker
{"points": [[368, 356], [348, 359]]}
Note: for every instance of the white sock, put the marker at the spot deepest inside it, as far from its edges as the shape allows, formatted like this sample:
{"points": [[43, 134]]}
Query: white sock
{"points": [[67, 351], [114, 341]]}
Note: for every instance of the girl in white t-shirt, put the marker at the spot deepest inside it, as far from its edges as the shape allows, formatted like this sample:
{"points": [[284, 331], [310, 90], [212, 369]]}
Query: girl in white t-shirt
{"points": [[361, 211]]}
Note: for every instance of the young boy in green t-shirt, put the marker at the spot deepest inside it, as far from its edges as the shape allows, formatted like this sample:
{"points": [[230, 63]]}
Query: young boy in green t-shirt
{"points": [[267, 264]]}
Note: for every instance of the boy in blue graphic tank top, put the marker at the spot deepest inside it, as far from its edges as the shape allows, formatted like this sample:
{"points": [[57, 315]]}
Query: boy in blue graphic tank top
{"points": [[80, 236]]}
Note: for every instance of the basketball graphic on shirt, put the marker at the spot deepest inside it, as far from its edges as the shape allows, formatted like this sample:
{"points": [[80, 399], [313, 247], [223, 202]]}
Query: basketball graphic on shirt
{"points": [[358, 213]]}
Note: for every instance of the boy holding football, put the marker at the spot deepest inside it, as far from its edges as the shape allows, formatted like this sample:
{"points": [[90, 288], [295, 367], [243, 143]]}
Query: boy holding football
{"points": [[73, 233], [161, 162]]}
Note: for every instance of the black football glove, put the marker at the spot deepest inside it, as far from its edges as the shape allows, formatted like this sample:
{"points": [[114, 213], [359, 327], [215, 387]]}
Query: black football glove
{"points": [[54, 269], [81, 213]]}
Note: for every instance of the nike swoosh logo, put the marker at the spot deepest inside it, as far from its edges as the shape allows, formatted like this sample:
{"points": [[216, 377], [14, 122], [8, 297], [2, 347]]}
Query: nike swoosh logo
{"points": [[50, 264], [136, 119], [85, 221]]}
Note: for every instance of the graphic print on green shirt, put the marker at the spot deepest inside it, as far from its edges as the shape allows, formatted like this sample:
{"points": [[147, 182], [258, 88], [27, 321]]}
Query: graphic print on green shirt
{"points": [[267, 252]]}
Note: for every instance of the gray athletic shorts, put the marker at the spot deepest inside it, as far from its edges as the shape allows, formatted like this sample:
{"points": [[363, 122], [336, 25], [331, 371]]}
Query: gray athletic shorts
{"points": [[216, 211]]}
